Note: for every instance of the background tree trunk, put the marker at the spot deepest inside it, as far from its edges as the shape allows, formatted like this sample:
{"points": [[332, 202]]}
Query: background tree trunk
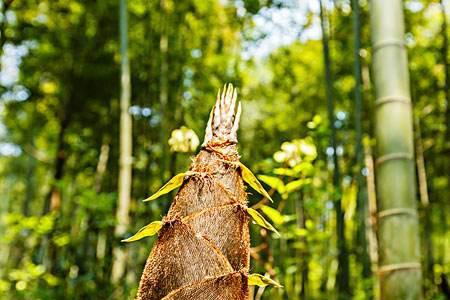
{"points": [[125, 161], [426, 209], [399, 252], [343, 273], [444, 53], [164, 88], [302, 254], [362, 248]]}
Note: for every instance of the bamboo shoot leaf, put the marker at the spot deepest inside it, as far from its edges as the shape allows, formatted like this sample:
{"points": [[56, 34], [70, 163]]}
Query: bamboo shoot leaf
{"points": [[172, 184], [262, 281], [251, 179], [259, 219], [148, 230]]}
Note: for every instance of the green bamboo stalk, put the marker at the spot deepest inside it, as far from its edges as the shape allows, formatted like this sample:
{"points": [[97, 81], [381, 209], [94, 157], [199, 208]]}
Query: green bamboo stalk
{"points": [[343, 273], [362, 248], [122, 214], [399, 251], [444, 54], [164, 87]]}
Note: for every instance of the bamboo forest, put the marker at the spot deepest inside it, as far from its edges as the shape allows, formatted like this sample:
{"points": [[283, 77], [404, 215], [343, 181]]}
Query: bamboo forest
{"points": [[224, 149]]}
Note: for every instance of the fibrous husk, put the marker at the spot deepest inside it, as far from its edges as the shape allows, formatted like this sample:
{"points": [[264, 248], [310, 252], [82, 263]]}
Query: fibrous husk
{"points": [[180, 257], [227, 227], [232, 286], [216, 183]]}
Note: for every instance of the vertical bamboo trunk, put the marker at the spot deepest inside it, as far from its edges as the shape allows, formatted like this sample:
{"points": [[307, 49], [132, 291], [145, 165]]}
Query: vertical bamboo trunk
{"points": [[444, 53], [372, 209], [203, 246], [302, 254], [399, 253], [92, 235], [421, 169], [48, 252], [445, 62], [164, 86], [426, 208], [343, 273], [30, 184], [362, 249], [125, 160], [101, 165], [53, 200]]}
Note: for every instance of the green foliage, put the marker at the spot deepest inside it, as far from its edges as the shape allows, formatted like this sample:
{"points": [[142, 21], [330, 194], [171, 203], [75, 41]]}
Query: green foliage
{"points": [[62, 112]]}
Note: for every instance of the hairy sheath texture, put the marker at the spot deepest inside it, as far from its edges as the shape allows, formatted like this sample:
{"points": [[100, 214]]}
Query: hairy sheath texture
{"points": [[203, 248]]}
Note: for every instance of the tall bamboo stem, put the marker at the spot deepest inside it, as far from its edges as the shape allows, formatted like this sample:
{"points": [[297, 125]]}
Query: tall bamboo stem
{"points": [[342, 276], [399, 251], [362, 249], [125, 160]]}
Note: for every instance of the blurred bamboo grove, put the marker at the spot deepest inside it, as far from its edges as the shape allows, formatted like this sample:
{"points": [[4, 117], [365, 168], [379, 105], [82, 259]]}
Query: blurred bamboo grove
{"points": [[102, 102]]}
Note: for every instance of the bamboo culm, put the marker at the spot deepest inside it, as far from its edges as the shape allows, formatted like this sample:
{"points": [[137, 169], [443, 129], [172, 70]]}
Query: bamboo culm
{"points": [[399, 252]]}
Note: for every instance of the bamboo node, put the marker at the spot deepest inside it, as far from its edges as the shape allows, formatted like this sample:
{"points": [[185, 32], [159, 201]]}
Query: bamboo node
{"points": [[394, 98], [392, 156], [221, 154], [397, 267], [397, 211], [388, 42], [230, 162], [196, 173]]}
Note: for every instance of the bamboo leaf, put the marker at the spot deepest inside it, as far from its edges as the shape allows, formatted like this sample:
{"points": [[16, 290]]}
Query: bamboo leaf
{"points": [[259, 219], [251, 179], [273, 214], [273, 182], [172, 184], [148, 230], [285, 172], [262, 281], [304, 167], [294, 185]]}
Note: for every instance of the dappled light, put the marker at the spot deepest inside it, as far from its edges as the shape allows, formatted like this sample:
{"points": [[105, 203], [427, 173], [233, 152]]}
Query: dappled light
{"points": [[224, 149]]}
